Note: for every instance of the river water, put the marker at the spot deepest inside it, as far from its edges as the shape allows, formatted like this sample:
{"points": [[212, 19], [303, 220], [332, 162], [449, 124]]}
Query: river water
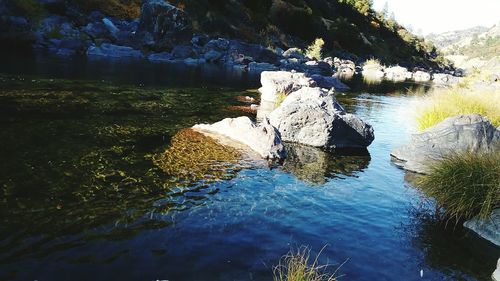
{"points": [[83, 197]]}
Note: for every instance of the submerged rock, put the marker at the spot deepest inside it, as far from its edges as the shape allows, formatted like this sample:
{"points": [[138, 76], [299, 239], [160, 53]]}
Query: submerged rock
{"points": [[456, 134], [282, 82], [312, 116], [488, 229], [263, 138]]}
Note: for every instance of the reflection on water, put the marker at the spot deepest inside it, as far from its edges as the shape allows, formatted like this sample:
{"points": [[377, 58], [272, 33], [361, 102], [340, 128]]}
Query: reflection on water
{"points": [[316, 166]]}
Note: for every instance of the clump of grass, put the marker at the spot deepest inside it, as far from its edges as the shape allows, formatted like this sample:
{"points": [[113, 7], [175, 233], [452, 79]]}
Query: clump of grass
{"points": [[372, 61], [298, 266], [280, 98], [444, 103], [465, 185], [314, 51]]}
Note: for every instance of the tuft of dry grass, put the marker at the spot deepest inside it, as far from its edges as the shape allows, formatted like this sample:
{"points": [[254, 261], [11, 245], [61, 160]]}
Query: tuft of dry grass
{"points": [[465, 185], [297, 265], [443, 103], [314, 51]]}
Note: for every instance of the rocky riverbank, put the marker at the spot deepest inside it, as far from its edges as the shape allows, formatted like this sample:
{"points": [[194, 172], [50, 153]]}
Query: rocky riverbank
{"points": [[164, 34]]}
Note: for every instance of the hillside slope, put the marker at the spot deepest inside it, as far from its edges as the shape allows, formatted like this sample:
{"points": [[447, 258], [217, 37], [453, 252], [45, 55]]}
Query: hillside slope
{"points": [[350, 28]]}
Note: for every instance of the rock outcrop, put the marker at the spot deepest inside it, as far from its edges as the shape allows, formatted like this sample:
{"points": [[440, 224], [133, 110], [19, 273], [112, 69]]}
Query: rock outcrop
{"points": [[329, 82], [456, 134], [496, 274], [162, 26], [488, 229], [263, 138], [113, 51], [312, 116], [282, 82]]}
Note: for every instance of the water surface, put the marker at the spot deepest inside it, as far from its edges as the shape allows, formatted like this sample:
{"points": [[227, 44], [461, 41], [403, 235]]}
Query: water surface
{"points": [[82, 196]]}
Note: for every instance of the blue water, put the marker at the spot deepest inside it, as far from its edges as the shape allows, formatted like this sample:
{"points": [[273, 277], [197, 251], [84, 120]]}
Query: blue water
{"points": [[360, 209]]}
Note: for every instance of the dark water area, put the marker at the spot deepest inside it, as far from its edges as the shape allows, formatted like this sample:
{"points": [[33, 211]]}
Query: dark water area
{"points": [[85, 195]]}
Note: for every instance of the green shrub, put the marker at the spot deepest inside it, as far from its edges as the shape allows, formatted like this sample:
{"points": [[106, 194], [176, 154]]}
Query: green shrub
{"points": [[280, 98], [314, 50], [465, 185], [297, 266]]}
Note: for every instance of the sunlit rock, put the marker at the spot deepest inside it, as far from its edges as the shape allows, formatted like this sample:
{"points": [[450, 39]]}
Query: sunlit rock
{"points": [[488, 229], [261, 138], [275, 83], [312, 116], [456, 134]]}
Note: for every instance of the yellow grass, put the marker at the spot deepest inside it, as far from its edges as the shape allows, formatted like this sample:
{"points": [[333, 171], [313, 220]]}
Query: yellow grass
{"points": [[443, 103]]}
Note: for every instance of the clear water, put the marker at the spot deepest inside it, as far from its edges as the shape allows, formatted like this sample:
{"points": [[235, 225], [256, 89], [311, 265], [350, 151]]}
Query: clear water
{"points": [[81, 197]]}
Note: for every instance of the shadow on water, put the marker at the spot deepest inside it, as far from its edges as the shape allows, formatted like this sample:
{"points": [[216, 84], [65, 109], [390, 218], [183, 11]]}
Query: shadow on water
{"points": [[314, 165], [446, 244]]}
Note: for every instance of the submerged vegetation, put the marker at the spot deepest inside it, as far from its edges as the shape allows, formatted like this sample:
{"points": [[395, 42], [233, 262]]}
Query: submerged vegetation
{"points": [[193, 156], [465, 185], [298, 265]]}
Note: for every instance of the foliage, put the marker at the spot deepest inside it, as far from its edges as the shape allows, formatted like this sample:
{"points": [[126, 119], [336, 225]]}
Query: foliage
{"points": [[314, 50], [280, 98], [372, 61], [31, 8], [444, 103], [362, 6], [297, 266], [126, 9], [465, 184]]}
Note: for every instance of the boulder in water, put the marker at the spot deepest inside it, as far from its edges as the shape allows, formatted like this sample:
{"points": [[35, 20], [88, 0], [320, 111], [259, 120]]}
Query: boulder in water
{"points": [[282, 82]]}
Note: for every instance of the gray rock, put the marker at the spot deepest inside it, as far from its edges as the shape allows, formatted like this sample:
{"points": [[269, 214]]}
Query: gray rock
{"points": [[212, 56], [113, 51], [263, 138], [421, 76], [160, 57], [162, 26], [444, 79], [294, 53], [455, 134], [219, 45], [396, 73], [110, 26], [257, 67], [282, 82], [345, 69], [488, 229], [183, 52], [329, 82], [312, 116]]}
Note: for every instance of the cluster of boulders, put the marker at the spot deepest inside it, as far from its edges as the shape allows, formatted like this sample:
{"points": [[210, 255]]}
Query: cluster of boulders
{"points": [[377, 72], [308, 115]]}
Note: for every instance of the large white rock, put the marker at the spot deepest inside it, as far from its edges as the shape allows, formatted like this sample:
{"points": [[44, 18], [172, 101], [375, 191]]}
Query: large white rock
{"points": [[263, 138], [445, 79], [488, 229], [396, 73], [421, 76], [455, 134], [282, 82], [312, 116]]}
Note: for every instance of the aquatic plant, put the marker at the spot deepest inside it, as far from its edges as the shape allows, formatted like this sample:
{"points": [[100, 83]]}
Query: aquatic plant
{"points": [[193, 156], [314, 51], [297, 266], [444, 103], [465, 185]]}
